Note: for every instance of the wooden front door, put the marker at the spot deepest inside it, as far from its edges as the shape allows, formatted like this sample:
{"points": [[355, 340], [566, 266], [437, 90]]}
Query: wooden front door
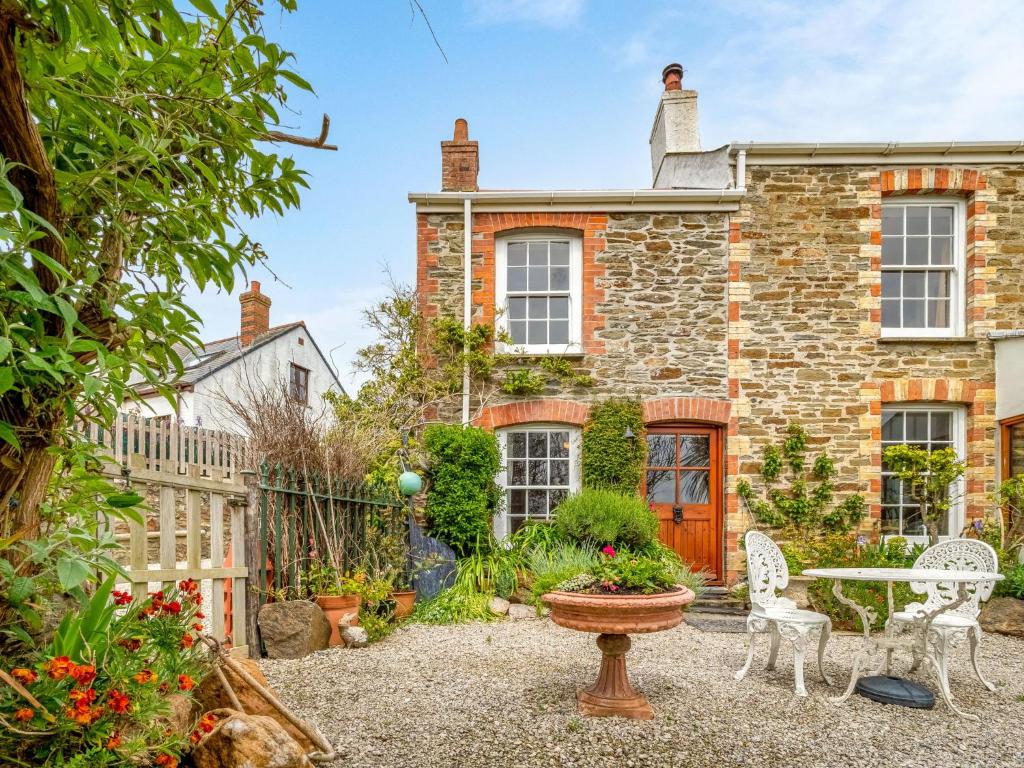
{"points": [[683, 486]]}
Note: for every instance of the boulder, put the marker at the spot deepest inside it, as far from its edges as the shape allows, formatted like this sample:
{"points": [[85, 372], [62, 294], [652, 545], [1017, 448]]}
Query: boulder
{"points": [[249, 741], [210, 694], [499, 606], [354, 637], [293, 629], [1004, 615], [521, 611], [181, 714]]}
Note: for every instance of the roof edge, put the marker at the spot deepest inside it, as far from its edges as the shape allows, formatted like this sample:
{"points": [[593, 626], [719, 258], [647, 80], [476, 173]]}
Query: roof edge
{"points": [[871, 153]]}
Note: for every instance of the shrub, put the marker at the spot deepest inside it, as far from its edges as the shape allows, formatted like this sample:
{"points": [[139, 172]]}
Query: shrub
{"points": [[928, 475], [455, 606], [550, 567], [603, 517], [1013, 584], [610, 460], [463, 495], [653, 570], [535, 534], [493, 572]]}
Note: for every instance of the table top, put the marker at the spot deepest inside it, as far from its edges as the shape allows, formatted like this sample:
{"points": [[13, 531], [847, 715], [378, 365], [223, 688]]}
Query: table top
{"points": [[901, 574]]}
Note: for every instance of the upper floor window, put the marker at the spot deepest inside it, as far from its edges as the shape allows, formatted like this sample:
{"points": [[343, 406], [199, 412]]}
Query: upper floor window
{"points": [[923, 267], [538, 293], [298, 383]]}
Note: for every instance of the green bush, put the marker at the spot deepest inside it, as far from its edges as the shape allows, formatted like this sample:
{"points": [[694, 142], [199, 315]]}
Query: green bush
{"points": [[535, 534], [601, 517], [455, 606], [549, 567], [1013, 584], [610, 460], [493, 572], [462, 496]]}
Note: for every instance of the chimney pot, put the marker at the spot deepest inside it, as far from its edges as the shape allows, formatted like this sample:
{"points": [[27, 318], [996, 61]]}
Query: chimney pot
{"points": [[461, 130], [672, 77], [255, 308], [460, 161]]}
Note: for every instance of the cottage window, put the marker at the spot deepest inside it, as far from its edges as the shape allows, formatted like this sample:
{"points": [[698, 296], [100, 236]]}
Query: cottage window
{"points": [[298, 383], [927, 427], [541, 469], [923, 268], [538, 293]]}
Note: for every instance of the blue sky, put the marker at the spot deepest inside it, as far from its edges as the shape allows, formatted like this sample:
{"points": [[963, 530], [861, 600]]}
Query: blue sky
{"points": [[561, 94]]}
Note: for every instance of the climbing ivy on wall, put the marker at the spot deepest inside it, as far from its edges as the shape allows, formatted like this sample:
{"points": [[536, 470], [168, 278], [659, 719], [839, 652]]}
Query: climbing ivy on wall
{"points": [[610, 460]]}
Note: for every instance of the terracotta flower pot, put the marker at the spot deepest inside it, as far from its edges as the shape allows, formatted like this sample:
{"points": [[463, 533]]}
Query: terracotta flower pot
{"points": [[334, 607], [404, 602], [615, 617]]}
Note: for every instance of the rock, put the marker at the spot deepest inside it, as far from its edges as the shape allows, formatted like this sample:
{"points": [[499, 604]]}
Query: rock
{"points": [[182, 714], [210, 694], [521, 595], [249, 741], [1004, 615], [520, 611], [499, 606], [293, 629], [354, 637]]}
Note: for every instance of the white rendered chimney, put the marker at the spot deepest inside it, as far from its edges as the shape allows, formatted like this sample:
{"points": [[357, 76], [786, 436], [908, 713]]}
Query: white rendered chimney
{"points": [[676, 129]]}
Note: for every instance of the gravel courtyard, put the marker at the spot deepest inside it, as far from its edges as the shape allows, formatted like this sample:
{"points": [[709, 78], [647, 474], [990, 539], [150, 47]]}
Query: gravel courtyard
{"points": [[502, 694]]}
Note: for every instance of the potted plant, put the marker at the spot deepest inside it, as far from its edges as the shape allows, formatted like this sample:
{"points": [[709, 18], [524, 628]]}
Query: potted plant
{"points": [[337, 595]]}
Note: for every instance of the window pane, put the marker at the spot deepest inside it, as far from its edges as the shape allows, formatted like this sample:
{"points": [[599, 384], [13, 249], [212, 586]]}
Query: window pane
{"points": [[559, 473], [517, 278], [892, 220], [892, 251], [942, 250], [938, 285], [917, 220], [558, 332], [891, 284], [538, 253], [516, 308], [559, 278], [538, 332], [538, 278], [516, 472], [891, 313], [892, 426], [559, 307], [913, 285], [912, 523], [538, 445], [537, 503], [942, 427], [890, 521], [913, 314], [694, 486], [917, 426], [538, 308], [518, 332], [539, 472], [661, 450], [516, 254], [1016, 449], [917, 250], [559, 445], [938, 313], [661, 486], [517, 444], [559, 253], [517, 502], [891, 490], [942, 220], [556, 497], [694, 451]]}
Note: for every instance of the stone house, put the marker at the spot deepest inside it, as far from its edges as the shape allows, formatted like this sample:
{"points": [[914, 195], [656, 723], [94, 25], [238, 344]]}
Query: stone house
{"points": [[871, 292], [235, 368]]}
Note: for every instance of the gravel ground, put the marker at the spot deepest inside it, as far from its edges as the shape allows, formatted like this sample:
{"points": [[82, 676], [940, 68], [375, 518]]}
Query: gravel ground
{"points": [[502, 694]]}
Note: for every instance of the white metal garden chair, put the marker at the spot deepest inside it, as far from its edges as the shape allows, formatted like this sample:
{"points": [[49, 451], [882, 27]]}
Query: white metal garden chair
{"points": [[952, 627], [778, 616]]}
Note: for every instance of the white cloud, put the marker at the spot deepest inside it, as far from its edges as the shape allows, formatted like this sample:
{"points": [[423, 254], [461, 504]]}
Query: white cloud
{"points": [[549, 13]]}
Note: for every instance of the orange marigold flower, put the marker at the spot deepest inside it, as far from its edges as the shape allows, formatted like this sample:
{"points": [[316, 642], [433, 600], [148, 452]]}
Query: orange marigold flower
{"points": [[145, 676], [188, 586], [24, 714], [121, 598], [131, 644], [207, 721], [198, 626], [166, 761], [185, 683], [118, 702], [82, 698], [84, 674], [197, 599], [85, 716], [187, 641], [23, 675], [114, 741], [172, 607], [200, 615], [59, 667], [195, 737]]}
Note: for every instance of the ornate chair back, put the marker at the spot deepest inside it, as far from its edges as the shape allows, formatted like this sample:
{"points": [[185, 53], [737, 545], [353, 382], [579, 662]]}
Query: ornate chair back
{"points": [[957, 555], [766, 570]]}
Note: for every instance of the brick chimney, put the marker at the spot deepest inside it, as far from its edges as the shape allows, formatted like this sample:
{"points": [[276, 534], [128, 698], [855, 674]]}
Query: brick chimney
{"points": [[676, 129], [460, 161], [255, 314]]}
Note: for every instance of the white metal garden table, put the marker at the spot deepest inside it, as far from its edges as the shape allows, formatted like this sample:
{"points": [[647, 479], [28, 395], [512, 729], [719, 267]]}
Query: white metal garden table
{"points": [[914, 637]]}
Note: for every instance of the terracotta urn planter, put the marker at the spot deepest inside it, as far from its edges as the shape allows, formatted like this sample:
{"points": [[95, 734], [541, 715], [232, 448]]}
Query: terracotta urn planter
{"points": [[334, 607], [404, 603], [796, 590], [615, 618]]}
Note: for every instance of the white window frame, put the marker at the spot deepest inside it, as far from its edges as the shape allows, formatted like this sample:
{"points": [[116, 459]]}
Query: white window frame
{"points": [[502, 526], [575, 345], [958, 282], [957, 512]]}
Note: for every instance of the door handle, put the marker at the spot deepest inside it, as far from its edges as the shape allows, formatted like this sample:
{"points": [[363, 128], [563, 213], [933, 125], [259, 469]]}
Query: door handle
{"points": [[677, 514]]}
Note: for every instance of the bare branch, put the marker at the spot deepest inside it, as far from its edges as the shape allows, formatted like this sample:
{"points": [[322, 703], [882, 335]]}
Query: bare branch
{"points": [[317, 143]]}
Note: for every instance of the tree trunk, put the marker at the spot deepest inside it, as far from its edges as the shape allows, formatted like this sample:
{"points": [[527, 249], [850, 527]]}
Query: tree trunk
{"points": [[24, 477]]}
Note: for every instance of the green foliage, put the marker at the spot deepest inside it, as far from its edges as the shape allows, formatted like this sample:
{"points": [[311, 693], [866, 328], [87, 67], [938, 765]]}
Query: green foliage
{"points": [[463, 496], [1013, 583], [535, 534], [493, 571], [600, 517], [806, 505], [103, 682], [930, 476], [652, 570], [530, 381], [1009, 500], [455, 606], [549, 567], [610, 460]]}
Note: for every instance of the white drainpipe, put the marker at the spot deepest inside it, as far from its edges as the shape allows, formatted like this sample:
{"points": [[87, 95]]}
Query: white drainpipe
{"points": [[741, 169], [467, 301]]}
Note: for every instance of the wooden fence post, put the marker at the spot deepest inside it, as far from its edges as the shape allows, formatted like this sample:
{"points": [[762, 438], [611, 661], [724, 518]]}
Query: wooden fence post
{"points": [[252, 559]]}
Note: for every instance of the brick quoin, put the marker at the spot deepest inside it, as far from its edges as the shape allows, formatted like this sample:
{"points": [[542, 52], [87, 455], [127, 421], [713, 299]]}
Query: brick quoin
{"points": [[548, 410]]}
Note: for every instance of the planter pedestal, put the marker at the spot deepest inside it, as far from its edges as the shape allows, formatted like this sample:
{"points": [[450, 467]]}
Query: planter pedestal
{"points": [[612, 695]]}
